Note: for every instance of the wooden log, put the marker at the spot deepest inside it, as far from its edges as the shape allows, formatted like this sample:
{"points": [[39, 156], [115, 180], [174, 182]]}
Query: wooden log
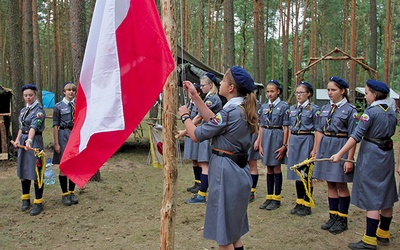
{"points": [[170, 104]]}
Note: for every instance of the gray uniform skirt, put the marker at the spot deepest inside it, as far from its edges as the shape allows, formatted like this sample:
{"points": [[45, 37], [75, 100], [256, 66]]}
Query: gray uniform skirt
{"points": [[374, 186], [26, 168], [228, 197], [190, 149], [327, 170], [204, 151], [272, 139], [253, 155], [300, 147], [63, 136]]}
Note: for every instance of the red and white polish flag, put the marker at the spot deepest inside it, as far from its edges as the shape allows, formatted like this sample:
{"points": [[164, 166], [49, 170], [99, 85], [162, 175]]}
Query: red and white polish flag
{"points": [[127, 61]]}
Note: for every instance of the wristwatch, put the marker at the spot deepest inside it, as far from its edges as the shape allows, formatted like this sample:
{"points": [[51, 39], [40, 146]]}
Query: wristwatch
{"points": [[185, 117]]}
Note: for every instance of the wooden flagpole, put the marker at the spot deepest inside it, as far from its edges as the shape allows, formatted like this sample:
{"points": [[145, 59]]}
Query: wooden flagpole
{"points": [[170, 104]]}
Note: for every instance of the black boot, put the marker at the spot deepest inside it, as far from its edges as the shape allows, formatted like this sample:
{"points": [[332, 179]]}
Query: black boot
{"points": [[37, 209], [265, 204], [361, 245], [304, 211], [26, 204], [194, 189], [339, 226], [330, 222]]}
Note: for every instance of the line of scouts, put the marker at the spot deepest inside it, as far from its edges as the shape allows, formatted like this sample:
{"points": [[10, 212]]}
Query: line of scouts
{"points": [[31, 126], [291, 134]]}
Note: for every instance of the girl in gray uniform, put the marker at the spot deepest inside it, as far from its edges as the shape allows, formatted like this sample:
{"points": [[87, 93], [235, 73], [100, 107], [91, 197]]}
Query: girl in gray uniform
{"points": [[303, 121], [31, 126], [254, 156], [208, 84], [336, 123], [226, 218], [191, 148], [63, 122], [374, 187], [274, 130]]}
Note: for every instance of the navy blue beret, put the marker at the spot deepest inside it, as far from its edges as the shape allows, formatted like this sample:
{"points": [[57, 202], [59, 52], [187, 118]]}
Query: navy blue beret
{"points": [[340, 81], [243, 79], [276, 83], [29, 86], [378, 86], [212, 78], [68, 83], [310, 88]]}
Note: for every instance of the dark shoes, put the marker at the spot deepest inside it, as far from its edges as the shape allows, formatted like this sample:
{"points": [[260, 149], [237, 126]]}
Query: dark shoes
{"points": [[296, 208], [273, 205], [265, 204], [69, 199], [382, 241], [26, 204], [194, 189], [330, 222], [66, 200], [74, 199], [252, 197], [339, 226], [304, 211], [37, 209], [361, 245]]}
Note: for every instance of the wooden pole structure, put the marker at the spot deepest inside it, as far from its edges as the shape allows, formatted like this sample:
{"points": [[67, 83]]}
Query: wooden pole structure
{"points": [[170, 104]]}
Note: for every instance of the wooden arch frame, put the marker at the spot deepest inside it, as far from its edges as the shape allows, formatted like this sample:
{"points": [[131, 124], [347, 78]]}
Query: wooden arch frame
{"points": [[314, 61]]}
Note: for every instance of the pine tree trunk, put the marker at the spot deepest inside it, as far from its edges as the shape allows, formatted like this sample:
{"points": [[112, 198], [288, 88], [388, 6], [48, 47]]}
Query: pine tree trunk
{"points": [[28, 42], [36, 49], [16, 60], [78, 36]]}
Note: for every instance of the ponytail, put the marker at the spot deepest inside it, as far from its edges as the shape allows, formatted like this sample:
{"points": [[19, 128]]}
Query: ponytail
{"points": [[250, 107]]}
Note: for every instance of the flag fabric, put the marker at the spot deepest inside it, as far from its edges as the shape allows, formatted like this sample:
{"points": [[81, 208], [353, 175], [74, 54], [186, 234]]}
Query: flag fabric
{"points": [[126, 63]]}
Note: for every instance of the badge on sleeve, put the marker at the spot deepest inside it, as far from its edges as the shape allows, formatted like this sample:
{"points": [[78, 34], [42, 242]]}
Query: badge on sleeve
{"points": [[208, 103], [39, 119], [217, 119], [364, 117], [318, 113]]}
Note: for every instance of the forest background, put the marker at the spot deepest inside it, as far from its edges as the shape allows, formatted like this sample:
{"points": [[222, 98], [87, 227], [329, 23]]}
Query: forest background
{"points": [[43, 42]]}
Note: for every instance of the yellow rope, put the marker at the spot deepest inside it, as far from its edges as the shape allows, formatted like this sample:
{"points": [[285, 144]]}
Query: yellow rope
{"points": [[307, 183], [40, 176]]}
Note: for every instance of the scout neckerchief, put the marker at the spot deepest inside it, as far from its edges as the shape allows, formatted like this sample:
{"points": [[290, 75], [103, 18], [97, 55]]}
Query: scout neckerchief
{"points": [[271, 106], [72, 110], [28, 108], [382, 104], [334, 106], [300, 112]]}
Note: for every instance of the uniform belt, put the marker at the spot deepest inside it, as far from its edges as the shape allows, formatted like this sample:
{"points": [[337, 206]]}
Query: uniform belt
{"points": [[376, 139], [221, 152], [333, 134], [239, 158], [27, 132], [273, 127], [302, 132], [66, 128]]}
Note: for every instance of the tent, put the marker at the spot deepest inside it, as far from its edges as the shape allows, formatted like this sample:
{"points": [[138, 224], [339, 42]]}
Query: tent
{"points": [[48, 99]]}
